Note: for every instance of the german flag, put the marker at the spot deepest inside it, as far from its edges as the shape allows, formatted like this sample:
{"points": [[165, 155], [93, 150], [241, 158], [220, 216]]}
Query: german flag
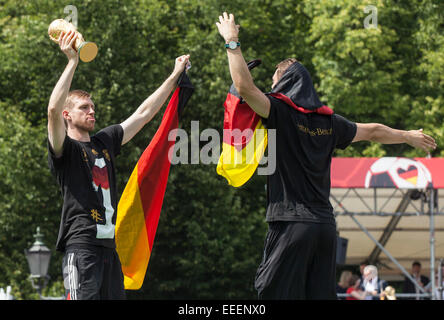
{"points": [[244, 139], [141, 202]]}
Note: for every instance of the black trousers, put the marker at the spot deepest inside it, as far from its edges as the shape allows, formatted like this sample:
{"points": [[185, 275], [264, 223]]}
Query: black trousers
{"points": [[92, 273], [299, 262]]}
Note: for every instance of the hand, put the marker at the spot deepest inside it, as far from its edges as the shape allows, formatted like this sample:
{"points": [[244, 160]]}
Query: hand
{"points": [[228, 28], [373, 293], [66, 42], [180, 64], [418, 139]]}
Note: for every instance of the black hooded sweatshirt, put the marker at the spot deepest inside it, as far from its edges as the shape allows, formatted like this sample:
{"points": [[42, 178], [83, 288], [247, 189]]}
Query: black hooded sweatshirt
{"points": [[307, 132]]}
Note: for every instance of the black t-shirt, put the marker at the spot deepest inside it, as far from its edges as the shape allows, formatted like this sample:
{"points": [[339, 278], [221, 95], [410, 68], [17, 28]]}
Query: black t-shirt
{"points": [[86, 175], [299, 189]]}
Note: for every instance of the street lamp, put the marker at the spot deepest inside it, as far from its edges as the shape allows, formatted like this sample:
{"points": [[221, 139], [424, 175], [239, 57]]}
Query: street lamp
{"points": [[38, 257]]}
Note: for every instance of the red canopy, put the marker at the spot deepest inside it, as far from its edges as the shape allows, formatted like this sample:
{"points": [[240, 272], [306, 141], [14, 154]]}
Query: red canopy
{"points": [[388, 172]]}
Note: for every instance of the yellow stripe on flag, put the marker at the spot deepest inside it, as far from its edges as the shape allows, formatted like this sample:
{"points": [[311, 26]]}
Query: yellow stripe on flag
{"points": [[238, 166], [131, 236]]}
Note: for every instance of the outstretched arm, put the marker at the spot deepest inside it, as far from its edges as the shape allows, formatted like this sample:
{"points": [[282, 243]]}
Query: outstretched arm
{"points": [[148, 109], [56, 125], [377, 132], [240, 74]]}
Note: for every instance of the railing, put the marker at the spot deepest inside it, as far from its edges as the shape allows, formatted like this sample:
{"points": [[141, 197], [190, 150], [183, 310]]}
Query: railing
{"points": [[400, 295]]}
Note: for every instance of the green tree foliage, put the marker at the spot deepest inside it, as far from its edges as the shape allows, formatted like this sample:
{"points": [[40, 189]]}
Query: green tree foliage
{"points": [[210, 236], [28, 197], [383, 74]]}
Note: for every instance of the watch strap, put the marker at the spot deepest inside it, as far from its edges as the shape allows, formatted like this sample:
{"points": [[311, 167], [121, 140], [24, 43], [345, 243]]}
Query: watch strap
{"points": [[227, 45]]}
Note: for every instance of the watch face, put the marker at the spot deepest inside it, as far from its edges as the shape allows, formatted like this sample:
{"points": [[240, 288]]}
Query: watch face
{"points": [[232, 45]]}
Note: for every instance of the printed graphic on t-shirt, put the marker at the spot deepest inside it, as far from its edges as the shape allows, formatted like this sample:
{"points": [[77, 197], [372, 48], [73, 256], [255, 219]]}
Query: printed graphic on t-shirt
{"points": [[316, 132], [100, 179]]}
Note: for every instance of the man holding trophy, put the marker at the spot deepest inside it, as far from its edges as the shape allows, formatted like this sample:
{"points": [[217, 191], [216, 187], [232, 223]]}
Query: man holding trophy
{"points": [[84, 167]]}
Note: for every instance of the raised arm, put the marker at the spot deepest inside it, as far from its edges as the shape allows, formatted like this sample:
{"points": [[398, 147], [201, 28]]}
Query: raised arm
{"points": [[240, 74], [148, 109], [56, 125], [380, 133]]}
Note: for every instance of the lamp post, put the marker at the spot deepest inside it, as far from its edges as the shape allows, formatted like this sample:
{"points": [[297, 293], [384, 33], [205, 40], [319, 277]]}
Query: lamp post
{"points": [[38, 257]]}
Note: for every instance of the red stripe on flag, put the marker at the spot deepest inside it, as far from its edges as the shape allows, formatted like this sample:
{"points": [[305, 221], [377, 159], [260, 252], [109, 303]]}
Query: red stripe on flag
{"points": [[238, 116], [154, 167]]}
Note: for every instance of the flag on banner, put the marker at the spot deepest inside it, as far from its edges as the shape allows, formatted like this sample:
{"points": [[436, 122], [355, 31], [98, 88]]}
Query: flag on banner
{"points": [[141, 202]]}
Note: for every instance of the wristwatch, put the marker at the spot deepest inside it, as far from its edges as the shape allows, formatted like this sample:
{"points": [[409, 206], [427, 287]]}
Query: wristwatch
{"points": [[232, 45]]}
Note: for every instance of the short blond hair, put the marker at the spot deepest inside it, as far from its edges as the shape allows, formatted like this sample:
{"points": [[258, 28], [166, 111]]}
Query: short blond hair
{"points": [[69, 102], [284, 64]]}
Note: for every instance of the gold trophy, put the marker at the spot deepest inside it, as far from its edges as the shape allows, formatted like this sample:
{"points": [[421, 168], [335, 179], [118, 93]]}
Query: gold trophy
{"points": [[87, 50]]}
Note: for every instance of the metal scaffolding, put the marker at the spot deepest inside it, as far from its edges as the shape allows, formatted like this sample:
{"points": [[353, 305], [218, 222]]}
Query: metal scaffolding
{"points": [[396, 204]]}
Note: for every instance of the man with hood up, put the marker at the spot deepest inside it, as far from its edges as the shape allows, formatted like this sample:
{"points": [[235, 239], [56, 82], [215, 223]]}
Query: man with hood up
{"points": [[299, 256]]}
